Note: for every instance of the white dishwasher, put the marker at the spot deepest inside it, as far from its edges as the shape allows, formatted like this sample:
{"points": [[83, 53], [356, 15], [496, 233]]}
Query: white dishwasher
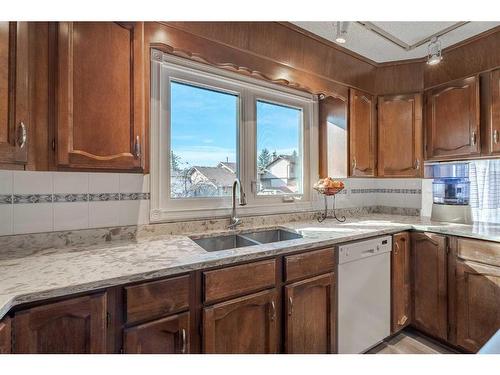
{"points": [[364, 294]]}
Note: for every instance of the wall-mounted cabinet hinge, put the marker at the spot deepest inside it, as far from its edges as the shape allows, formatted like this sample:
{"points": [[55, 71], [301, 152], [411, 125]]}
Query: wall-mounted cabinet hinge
{"points": [[54, 144]]}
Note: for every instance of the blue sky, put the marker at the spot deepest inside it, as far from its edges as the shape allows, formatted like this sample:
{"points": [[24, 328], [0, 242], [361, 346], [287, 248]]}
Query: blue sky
{"points": [[204, 122]]}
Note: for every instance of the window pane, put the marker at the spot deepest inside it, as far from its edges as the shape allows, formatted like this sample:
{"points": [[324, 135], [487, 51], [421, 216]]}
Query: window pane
{"points": [[279, 149], [203, 141]]}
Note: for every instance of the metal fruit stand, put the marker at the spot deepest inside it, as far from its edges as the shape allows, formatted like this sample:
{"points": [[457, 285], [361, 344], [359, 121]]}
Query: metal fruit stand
{"points": [[329, 192]]}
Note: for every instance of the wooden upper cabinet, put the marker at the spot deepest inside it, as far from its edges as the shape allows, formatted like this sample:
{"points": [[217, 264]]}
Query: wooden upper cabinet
{"points": [[362, 133], [400, 136], [310, 316], [5, 335], [430, 291], [400, 282], [164, 336], [490, 112], [14, 115], [75, 326], [245, 325], [477, 303], [452, 120], [333, 135], [100, 96]]}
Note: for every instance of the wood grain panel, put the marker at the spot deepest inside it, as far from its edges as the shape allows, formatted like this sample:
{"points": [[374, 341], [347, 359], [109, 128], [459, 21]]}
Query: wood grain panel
{"points": [[165, 336], [100, 103], [362, 134], [245, 325], [309, 264], [5, 335], [400, 282], [237, 280], [478, 304], [452, 120], [157, 298], [74, 326], [490, 113], [400, 152], [310, 316], [479, 251], [429, 285], [399, 78]]}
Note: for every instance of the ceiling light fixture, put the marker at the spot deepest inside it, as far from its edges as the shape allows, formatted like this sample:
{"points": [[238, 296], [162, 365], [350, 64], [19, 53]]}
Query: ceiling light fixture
{"points": [[341, 35], [434, 52]]}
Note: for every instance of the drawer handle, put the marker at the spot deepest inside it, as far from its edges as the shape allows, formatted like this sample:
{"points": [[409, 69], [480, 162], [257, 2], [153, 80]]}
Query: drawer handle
{"points": [[183, 341], [137, 147], [354, 164], [290, 305], [273, 311], [21, 135], [417, 164], [473, 138], [495, 136]]}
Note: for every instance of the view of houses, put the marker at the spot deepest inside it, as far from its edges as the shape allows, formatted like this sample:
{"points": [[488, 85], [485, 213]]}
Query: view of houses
{"points": [[277, 174]]}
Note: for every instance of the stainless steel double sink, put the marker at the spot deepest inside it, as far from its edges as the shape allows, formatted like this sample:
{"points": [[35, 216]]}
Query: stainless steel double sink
{"points": [[232, 241]]}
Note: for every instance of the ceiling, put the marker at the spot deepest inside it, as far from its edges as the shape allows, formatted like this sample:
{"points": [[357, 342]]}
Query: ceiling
{"points": [[375, 47]]}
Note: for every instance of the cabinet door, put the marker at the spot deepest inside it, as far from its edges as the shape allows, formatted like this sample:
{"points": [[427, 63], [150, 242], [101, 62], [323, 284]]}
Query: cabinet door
{"points": [[333, 136], [362, 134], [400, 136], [400, 282], [310, 316], [100, 104], [14, 93], [478, 303], [452, 125], [490, 112], [164, 336], [429, 265], [246, 325], [5, 335], [74, 326]]}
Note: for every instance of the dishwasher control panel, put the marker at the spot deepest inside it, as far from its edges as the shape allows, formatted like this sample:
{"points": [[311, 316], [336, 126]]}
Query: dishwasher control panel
{"points": [[362, 249]]}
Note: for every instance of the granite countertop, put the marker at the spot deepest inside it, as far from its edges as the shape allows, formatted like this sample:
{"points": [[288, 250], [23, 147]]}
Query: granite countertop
{"points": [[64, 271]]}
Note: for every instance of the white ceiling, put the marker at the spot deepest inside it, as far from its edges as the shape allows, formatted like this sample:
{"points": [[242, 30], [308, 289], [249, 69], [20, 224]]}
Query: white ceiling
{"points": [[376, 48]]}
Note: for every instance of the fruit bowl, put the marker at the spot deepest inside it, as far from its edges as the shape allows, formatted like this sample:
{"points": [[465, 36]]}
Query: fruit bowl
{"points": [[329, 190]]}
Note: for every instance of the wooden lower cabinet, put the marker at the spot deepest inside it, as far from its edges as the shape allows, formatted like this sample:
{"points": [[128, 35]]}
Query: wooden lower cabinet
{"points": [[477, 303], [400, 282], [245, 325], [310, 316], [430, 290], [5, 335], [164, 336], [73, 326]]}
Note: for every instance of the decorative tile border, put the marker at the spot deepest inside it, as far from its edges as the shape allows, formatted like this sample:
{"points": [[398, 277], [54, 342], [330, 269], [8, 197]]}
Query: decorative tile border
{"points": [[387, 191], [70, 198]]}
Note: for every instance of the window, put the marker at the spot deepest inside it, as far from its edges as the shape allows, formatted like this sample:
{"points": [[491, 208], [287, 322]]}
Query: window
{"points": [[203, 127], [210, 126], [279, 149]]}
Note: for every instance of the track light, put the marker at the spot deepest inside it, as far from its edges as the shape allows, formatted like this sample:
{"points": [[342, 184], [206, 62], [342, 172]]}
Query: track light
{"points": [[341, 34], [434, 52]]}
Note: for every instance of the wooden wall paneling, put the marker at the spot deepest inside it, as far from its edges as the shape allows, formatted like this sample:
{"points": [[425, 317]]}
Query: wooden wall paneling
{"points": [[14, 94], [400, 133], [100, 96], [478, 54], [399, 78]]}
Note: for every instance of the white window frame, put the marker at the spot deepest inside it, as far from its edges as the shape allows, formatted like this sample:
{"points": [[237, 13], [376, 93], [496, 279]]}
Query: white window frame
{"points": [[166, 68]]}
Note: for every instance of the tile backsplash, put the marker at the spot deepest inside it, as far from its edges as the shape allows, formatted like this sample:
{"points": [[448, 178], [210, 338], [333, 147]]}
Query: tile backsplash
{"points": [[33, 202]]}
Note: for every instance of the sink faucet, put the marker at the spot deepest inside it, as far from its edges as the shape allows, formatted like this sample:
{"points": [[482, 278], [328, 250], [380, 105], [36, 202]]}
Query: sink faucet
{"points": [[235, 221]]}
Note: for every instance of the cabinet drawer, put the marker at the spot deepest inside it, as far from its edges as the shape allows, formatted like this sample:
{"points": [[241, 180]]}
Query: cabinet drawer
{"points": [[236, 280], [156, 298], [479, 251], [309, 264]]}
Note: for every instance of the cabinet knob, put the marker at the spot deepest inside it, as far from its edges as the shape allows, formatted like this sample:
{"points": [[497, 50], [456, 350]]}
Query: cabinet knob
{"points": [[495, 136], [273, 311], [417, 164], [353, 164], [403, 320], [290, 305], [21, 135], [473, 138], [396, 248]]}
